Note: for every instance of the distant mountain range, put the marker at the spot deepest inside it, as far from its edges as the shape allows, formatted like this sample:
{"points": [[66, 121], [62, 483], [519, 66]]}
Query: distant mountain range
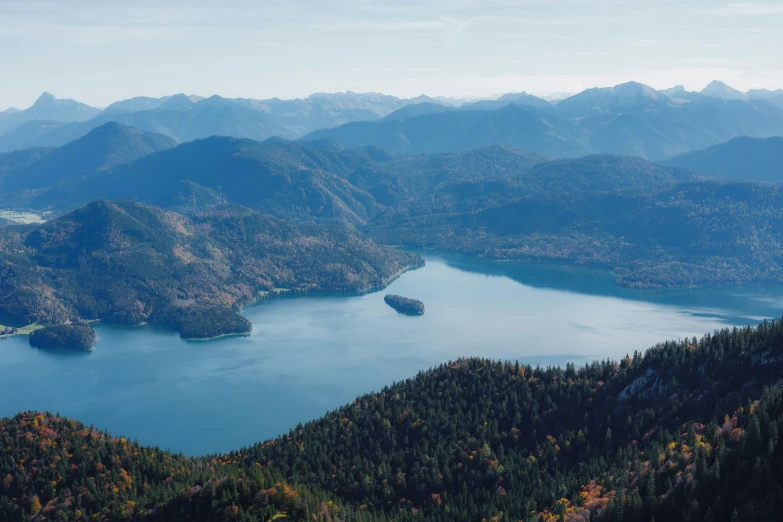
{"points": [[186, 117], [515, 126], [629, 119], [47, 108], [741, 158]]}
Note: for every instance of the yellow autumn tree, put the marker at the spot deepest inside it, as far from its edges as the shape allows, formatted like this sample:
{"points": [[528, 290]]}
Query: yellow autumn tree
{"points": [[35, 505]]}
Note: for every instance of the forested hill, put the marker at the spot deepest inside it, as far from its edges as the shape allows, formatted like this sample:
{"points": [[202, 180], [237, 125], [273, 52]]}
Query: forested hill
{"points": [[130, 263], [57, 469], [741, 158], [311, 181], [689, 430], [694, 233], [103, 148]]}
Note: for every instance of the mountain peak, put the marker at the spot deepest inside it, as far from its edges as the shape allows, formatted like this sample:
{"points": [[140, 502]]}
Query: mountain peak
{"points": [[109, 127], [673, 90], [636, 88], [45, 98], [718, 89], [717, 84]]}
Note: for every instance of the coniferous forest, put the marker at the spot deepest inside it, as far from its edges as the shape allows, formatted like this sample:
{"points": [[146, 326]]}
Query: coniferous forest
{"points": [[688, 430]]}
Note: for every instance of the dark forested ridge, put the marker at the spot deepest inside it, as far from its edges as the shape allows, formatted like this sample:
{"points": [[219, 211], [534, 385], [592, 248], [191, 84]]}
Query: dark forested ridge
{"points": [[689, 430], [310, 181], [103, 148], [694, 233], [741, 158], [129, 263]]}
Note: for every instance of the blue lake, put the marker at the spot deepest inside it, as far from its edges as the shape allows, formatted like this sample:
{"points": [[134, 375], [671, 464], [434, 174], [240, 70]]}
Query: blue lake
{"points": [[309, 355]]}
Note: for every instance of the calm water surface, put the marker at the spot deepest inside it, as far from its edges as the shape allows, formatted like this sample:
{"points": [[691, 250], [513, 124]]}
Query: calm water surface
{"points": [[307, 356]]}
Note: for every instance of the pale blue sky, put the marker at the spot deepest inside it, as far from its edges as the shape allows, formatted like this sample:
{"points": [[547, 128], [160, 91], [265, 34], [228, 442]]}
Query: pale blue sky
{"points": [[99, 51]]}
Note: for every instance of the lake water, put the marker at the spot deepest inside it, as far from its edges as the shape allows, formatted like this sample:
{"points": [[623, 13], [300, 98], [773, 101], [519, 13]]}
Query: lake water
{"points": [[309, 355]]}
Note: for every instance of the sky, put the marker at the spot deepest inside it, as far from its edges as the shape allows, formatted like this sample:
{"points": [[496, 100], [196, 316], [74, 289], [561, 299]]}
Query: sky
{"points": [[100, 51]]}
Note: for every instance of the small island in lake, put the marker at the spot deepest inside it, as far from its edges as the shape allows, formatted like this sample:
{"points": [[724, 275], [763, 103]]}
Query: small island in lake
{"points": [[405, 305], [74, 336]]}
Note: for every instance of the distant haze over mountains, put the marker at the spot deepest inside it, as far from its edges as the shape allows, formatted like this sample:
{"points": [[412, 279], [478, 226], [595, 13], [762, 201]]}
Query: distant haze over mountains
{"points": [[47, 108], [631, 119]]}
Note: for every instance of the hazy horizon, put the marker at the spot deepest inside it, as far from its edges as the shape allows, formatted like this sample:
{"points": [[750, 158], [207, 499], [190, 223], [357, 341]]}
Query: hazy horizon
{"points": [[98, 53]]}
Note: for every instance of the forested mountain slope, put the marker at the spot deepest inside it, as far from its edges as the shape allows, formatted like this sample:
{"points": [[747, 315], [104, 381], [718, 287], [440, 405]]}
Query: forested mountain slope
{"points": [[103, 148], [742, 158], [317, 180], [130, 263], [55, 468], [699, 232], [689, 430]]}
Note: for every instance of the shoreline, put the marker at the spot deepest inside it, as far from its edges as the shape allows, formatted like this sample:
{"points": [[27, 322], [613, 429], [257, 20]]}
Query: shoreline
{"points": [[268, 295], [347, 293], [221, 336]]}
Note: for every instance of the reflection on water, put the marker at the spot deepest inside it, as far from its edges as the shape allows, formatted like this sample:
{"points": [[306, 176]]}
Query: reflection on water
{"points": [[732, 305], [308, 355]]}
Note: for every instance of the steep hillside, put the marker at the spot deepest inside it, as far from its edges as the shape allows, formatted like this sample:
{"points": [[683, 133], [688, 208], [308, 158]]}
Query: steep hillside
{"points": [[103, 148], [27, 135], [417, 109], [129, 263], [689, 430], [21, 158], [692, 233], [274, 176], [58, 469], [740, 158], [544, 179], [521, 99], [312, 180]]}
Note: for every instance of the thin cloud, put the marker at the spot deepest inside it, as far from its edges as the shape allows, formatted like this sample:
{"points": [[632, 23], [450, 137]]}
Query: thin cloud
{"points": [[749, 8], [369, 26], [708, 61]]}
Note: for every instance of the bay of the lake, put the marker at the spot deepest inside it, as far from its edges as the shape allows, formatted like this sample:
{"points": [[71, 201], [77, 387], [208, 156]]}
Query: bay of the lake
{"points": [[309, 355]]}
